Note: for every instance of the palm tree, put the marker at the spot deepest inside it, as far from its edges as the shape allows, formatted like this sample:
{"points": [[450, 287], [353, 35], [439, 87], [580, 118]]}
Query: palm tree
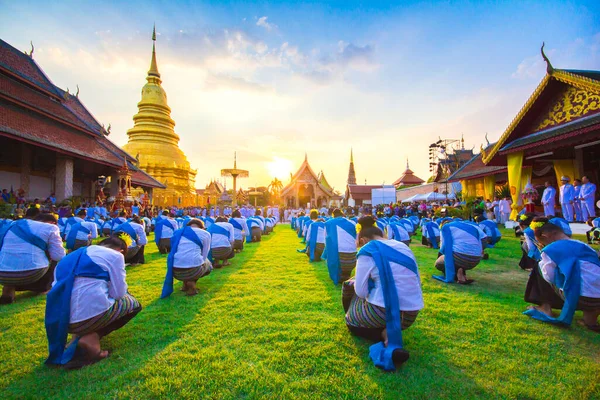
{"points": [[275, 188]]}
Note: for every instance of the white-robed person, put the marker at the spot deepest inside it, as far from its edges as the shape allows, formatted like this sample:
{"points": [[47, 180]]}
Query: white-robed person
{"points": [[340, 243], [188, 260], [504, 206], [315, 239], [567, 278], [81, 232], [164, 227], [588, 198], [135, 229], [461, 250], [222, 239], [430, 232], [548, 199], [567, 198], [88, 299], [397, 231], [240, 230], [29, 250], [385, 297]]}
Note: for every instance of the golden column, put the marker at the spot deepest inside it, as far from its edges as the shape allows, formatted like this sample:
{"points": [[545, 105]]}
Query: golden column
{"points": [[156, 145]]}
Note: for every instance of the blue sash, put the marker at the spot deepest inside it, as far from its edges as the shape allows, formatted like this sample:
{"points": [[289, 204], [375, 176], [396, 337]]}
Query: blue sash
{"points": [[208, 221], [331, 245], [494, 228], [306, 225], [534, 252], [22, 230], [58, 302], [563, 224], [128, 229], [314, 230], [72, 236], [251, 222], [236, 225], [396, 229], [188, 233], [215, 229], [447, 251], [301, 222], [293, 223], [431, 233], [114, 224], [381, 225], [408, 225], [567, 254], [382, 255], [158, 228]]}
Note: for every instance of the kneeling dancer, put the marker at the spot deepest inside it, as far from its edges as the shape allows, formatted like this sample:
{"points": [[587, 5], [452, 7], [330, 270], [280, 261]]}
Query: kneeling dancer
{"points": [[222, 239], [188, 260], [460, 251], [89, 299], [567, 278], [387, 295]]}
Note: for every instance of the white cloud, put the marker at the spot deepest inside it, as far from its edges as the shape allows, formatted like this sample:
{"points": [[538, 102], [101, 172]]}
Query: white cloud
{"points": [[262, 21]]}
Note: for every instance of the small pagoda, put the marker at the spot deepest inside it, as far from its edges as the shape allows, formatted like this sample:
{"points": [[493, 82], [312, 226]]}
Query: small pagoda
{"points": [[408, 178]]}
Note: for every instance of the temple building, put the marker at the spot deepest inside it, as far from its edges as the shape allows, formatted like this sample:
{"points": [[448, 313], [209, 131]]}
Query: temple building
{"points": [[210, 195], [50, 143], [155, 144], [555, 134], [308, 189], [357, 195], [408, 178]]}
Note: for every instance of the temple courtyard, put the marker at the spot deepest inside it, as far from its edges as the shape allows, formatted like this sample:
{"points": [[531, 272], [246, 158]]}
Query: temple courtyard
{"points": [[271, 326]]}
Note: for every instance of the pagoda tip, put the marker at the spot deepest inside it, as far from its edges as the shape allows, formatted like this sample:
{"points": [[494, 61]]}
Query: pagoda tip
{"points": [[154, 32]]}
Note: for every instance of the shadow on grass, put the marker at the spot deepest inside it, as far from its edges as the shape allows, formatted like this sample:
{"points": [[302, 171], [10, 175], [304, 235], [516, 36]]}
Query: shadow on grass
{"points": [[161, 323]]}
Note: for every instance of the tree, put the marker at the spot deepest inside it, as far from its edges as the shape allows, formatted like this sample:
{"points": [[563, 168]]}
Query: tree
{"points": [[275, 188]]}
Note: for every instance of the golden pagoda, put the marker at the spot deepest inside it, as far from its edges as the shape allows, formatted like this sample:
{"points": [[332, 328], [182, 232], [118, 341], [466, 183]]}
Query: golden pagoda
{"points": [[156, 145]]}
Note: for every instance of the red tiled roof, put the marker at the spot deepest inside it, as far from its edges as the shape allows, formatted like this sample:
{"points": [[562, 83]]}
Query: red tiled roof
{"points": [[35, 128], [23, 94], [24, 67], [73, 104], [408, 178], [362, 192], [139, 177]]}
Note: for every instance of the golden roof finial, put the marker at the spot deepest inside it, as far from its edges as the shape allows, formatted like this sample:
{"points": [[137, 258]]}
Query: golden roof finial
{"points": [[549, 67], [351, 156], [235, 160], [153, 71]]}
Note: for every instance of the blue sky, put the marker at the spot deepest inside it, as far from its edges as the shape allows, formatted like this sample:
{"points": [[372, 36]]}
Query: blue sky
{"points": [[276, 80]]}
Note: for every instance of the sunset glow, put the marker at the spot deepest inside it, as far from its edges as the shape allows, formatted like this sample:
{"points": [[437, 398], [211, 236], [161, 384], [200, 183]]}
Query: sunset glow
{"points": [[280, 168]]}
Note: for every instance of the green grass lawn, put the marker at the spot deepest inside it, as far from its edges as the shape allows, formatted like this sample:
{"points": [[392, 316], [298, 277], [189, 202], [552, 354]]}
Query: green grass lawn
{"points": [[271, 326]]}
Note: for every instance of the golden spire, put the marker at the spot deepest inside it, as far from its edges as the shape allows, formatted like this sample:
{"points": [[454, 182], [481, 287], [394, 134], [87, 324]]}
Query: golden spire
{"points": [[153, 71], [351, 156]]}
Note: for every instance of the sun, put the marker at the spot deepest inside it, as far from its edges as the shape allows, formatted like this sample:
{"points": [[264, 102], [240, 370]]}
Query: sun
{"points": [[279, 168]]}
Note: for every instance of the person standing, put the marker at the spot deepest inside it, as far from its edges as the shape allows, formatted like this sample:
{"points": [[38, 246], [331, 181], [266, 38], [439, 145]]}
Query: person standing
{"points": [[588, 198], [567, 197], [548, 199], [577, 200]]}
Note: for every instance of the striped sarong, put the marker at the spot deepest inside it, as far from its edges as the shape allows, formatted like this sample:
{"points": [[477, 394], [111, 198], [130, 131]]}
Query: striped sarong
{"points": [[464, 261], [256, 234], [122, 307], [406, 242], [347, 264], [363, 314], [222, 253], [238, 245], [81, 243], [22, 278], [191, 274], [164, 245], [319, 248]]}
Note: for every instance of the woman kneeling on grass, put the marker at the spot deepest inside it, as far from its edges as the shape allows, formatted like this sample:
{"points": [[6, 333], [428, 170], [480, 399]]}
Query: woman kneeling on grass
{"points": [[88, 299], [387, 294], [568, 277], [188, 260]]}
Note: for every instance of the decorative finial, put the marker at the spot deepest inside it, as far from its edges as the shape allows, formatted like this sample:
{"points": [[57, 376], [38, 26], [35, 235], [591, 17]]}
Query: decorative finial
{"points": [[486, 139], [30, 54], [549, 67], [77, 94], [305, 156], [234, 159], [462, 141], [351, 156], [108, 129], [154, 32], [407, 163], [153, 71]]}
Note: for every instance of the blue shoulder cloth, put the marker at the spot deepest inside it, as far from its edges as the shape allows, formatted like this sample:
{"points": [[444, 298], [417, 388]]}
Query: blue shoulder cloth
{"points": [[22, 230], [188, 233], [382, 255], [447, 244], [567, 255]]}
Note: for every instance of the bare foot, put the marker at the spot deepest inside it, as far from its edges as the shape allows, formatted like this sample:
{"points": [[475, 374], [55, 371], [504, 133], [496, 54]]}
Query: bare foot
{"points": [[90, 344], [384, 337], [544, 309], [226, 263]]}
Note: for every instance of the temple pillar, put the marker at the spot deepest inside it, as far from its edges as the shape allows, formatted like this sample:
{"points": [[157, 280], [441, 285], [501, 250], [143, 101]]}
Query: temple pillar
{"points": [[64, 178], [25, 168]]}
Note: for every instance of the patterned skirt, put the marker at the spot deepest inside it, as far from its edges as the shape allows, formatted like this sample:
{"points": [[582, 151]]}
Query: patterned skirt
{"points": [[122, 307], [347, 264], [363, 314], [319, 248], [256, 234], [464, 261], [238, 245], [222, 253], [21, 278], [192, 274]]}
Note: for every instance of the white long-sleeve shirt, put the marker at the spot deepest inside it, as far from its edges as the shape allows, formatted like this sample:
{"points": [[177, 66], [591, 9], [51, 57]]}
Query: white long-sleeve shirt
{"points": [[436, 231], [590, 275], [320, 234], [188, 253], [168, 228], [18, 255], [238, 232], [219, 240], [408, 285], [404, 235], [346, 243], [91, 297], [141, 232], [82, 235], [465, 243]]}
